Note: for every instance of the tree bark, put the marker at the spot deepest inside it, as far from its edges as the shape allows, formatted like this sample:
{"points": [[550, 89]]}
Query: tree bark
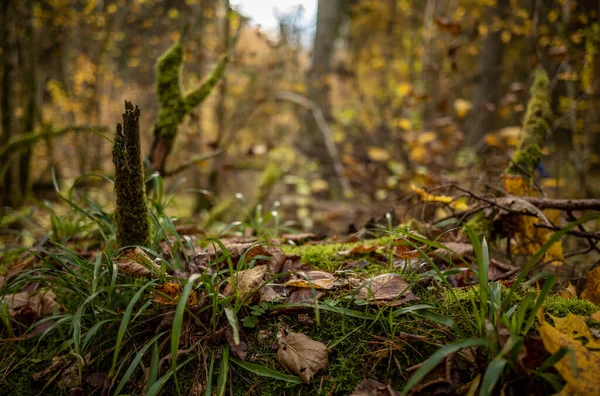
{"points": [[487, 91], [329, 14], [10, 188]]}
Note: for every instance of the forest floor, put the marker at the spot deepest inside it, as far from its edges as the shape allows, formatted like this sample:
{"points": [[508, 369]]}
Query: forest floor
{"points": [[383, 311]]}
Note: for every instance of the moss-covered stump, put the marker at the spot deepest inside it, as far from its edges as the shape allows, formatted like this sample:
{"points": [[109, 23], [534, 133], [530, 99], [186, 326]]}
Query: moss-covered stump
{"points": [[536, 126], [131, 216], [174, 105]]}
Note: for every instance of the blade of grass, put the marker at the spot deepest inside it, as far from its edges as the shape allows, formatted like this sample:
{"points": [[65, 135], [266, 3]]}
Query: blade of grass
{"points": [[267, 372], [437, 357], [223, 371], [177, 324]]}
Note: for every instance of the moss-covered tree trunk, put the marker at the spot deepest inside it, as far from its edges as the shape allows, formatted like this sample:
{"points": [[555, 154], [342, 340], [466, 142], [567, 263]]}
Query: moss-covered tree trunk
{"points": [[131, 217], [174, 105], [536, 127]]}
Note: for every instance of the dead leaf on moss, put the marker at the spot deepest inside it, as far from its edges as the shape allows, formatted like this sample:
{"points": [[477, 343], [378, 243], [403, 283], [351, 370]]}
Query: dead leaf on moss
{"points": [[300, 354], [569, 293], [370, 387], [582, 379], [246, 281], [309, 279], [168, 294], [575, 327], [595, 316], [137, 263], [386, 289], [592, 287]]}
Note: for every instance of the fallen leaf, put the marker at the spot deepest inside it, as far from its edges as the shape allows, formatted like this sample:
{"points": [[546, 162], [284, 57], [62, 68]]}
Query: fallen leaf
{"points": [[137, 263], [309, 279], [579, 367], [246, 281], [569, 293], [592, 287], [370, 387], [300, 354], [386, 289], [172, 291]]}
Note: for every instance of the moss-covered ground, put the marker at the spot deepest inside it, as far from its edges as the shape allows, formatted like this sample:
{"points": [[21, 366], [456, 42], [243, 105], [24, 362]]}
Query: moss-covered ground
{"points": [[381, 349]]}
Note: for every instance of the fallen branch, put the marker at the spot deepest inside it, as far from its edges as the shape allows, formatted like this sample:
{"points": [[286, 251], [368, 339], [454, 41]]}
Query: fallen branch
{"points": [[564, 204]]}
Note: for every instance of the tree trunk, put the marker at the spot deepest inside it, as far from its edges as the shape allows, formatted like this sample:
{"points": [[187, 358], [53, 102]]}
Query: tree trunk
{"points": [[28, 49], [10, 188], [328, 22], [487, 91]]}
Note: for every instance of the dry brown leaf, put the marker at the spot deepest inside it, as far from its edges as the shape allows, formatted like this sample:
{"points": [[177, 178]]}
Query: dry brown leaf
{"points": [[300, 354], [172, 291], [457, 251], [595, 316], [309, 279], [370, 387], [137, 263], [246, 281], [386, 289], [569, 293], [592, 287]]}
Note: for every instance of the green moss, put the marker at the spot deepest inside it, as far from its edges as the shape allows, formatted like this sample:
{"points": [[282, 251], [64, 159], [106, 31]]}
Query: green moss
{"points": [[131, 215], [536, 126], [560, 307]]}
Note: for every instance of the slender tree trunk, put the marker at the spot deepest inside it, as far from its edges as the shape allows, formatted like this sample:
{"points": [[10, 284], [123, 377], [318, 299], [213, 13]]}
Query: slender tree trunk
{"points": [[329, 14], [487, 91], [10, 188], [28, 50]]}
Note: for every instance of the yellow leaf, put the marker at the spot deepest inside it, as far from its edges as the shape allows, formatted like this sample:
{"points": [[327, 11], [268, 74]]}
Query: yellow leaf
{"points": [[425, 196], [569, 293], [426, 137], [569, 76], [579, 367], [403, 123], [403, 89], [505, 36], [377, 154], [553, 183], [462, 107], [592, 287], [173, 13]]}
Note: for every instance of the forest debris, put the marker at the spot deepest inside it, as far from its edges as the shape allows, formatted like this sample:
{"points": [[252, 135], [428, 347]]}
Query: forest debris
{"points": [[304, 296], [136, 262], [246, 281], [386, 289], [456, 251], [370, 387], [300, 354], [310, 279], [443, 379], [570, 292], [455, 203], [582, 379], [168, 294], [592, 287], [241, 349]]}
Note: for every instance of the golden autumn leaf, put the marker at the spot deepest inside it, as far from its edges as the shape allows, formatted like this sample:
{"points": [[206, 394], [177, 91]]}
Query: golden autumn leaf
{"points": [[377, 154], [569, 293], [462, 107], [579, 367], [458, 204], [168, 294], [592, 287]]}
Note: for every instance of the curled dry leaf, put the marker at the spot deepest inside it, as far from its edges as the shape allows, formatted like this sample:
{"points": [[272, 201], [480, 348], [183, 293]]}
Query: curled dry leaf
{"points": [[592, 287], [403, 247], [386, 289], [300, 354], [137, 263], [309, 279], [569, 293], [246, 281], [370, 387], [168, 294]]}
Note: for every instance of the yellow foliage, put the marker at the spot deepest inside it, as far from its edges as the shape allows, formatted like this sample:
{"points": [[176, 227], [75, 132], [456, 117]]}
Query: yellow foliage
{"points": [[462, 107], [377, 154], [592, 288], [579, 366], [457, 204], [529, 239]]}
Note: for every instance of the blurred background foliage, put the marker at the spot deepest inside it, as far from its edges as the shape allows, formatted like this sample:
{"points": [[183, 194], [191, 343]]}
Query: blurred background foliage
{"points": [[333, 128]]}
